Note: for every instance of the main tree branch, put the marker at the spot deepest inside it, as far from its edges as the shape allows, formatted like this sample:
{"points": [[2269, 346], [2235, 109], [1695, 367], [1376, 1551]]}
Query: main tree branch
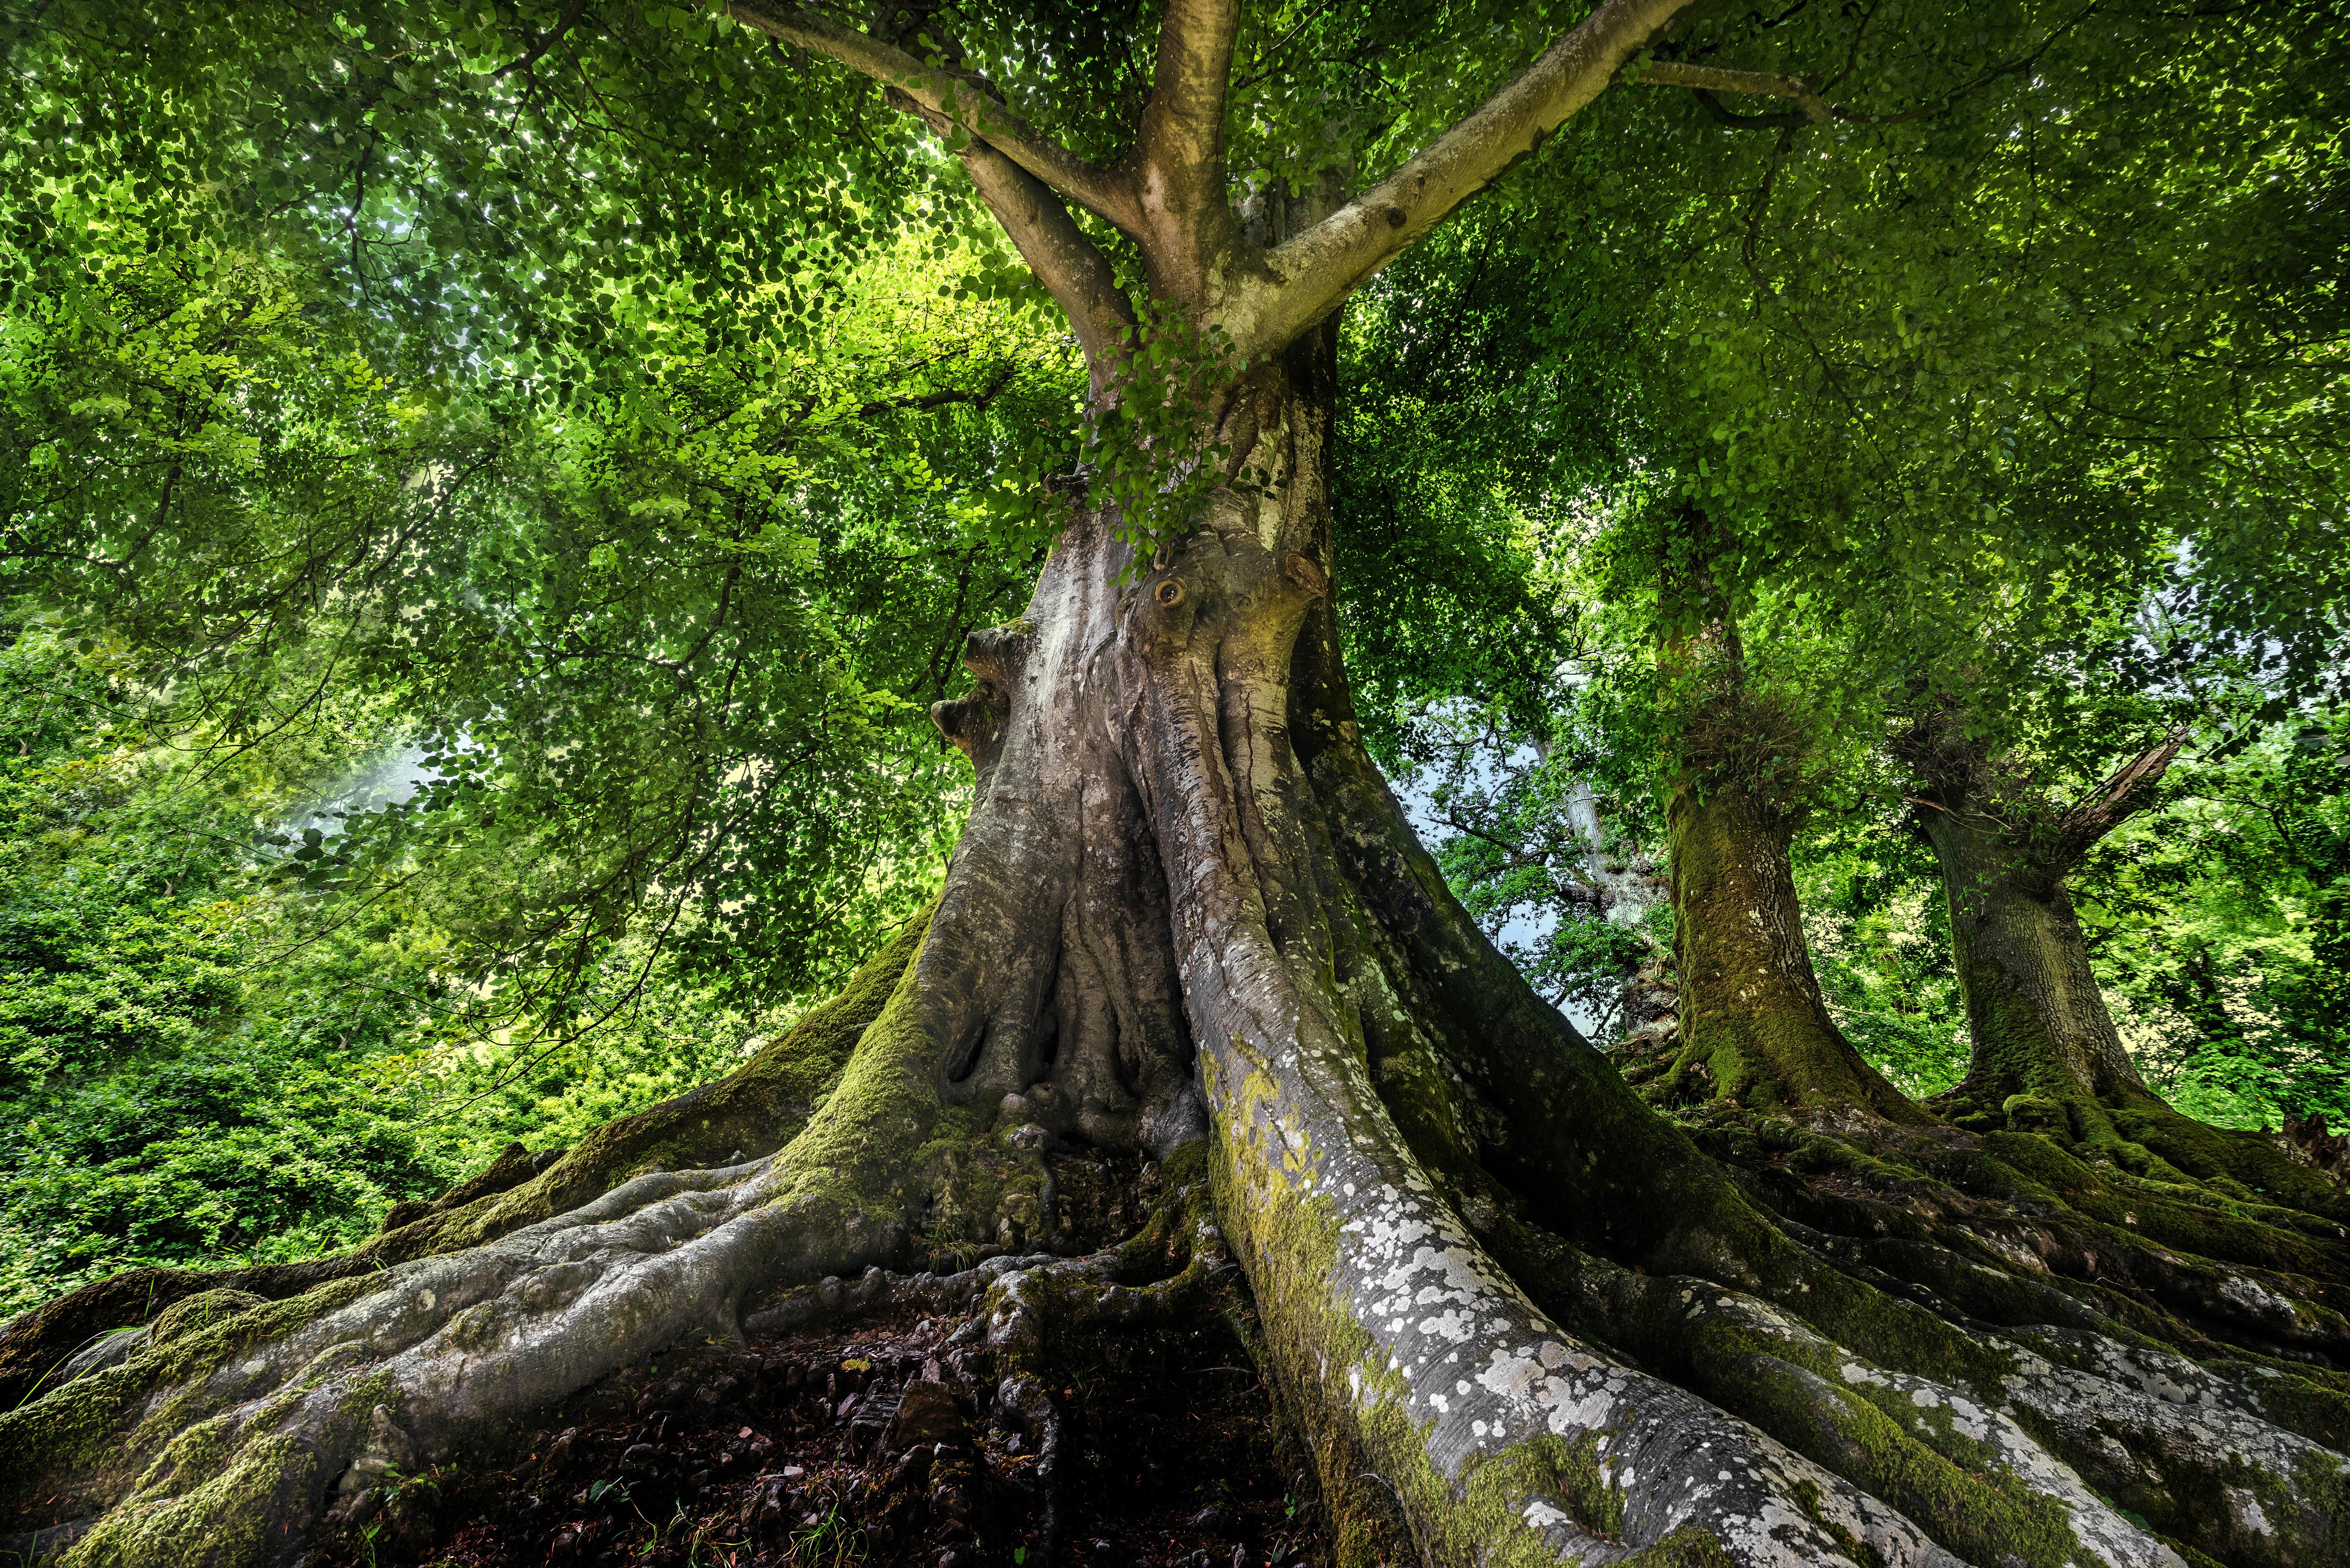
{"points": [[1313, 272], [1067, 262], [1762, 84], [2116, 800], [1191, 230], [957, 97]]}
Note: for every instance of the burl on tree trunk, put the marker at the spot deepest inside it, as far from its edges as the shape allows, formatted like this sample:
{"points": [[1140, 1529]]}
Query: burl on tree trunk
{"points": [[1516, 1315]]}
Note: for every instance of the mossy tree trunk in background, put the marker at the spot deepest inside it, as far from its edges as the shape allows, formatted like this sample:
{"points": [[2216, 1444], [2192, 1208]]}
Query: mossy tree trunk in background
{"points": [[2045, 1055], [1187, 918], [1753, 1029]]}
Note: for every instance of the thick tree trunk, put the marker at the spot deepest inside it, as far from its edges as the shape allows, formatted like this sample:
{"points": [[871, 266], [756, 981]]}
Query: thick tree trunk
{"points": [[2036, 1017], [2045, 1055], [1188, 915], [1753, 1028]]}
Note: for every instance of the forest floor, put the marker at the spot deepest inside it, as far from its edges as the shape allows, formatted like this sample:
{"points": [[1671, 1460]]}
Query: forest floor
{"points": [[868, 1442]]}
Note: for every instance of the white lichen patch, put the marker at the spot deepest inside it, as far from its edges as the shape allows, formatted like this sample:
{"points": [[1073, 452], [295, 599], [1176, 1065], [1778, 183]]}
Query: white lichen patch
{"points": [[2264, 1305], [1970, 1432], [2246, 1510], [2132, 1421], [1450, 1343]]}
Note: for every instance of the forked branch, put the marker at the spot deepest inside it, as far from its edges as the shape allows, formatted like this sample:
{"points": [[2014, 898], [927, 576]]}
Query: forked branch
{"points": [[1067, 262], [1312, 274], [955, 96]]}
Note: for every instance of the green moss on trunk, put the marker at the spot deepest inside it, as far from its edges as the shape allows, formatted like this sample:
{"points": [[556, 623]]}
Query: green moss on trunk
{"points": [[1753, 1028]]}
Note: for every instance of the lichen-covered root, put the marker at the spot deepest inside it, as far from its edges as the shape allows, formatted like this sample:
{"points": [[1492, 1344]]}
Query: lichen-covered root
{"points": [[1506, 1438], [221, 1444]]}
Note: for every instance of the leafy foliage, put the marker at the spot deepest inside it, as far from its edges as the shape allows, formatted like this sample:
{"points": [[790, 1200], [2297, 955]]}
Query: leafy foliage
{"points": [[2220, 927]]}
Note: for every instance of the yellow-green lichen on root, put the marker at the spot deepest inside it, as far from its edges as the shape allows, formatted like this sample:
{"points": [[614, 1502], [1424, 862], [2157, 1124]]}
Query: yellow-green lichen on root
{"points": [[79, 1444], [233, 1519], [2035, 1113], [750, 1111], [881, 1115], [197, 1312]]}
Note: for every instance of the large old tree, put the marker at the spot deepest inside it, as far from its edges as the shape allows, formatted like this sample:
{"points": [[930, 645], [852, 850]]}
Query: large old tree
{"points": [[1515, 1314]]}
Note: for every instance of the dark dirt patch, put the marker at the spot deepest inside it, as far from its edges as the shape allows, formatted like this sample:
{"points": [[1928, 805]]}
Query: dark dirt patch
{"points": [[872, 1442]]}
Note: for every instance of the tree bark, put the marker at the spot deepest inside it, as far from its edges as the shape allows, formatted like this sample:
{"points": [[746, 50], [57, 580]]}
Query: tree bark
{"points": [[2044, 1055], [1753, 1028], [2037, 1020], [1516, 1315]]}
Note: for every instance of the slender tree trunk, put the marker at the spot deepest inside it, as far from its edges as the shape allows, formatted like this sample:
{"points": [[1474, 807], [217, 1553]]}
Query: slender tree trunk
{"points": [[2045, 1055]]}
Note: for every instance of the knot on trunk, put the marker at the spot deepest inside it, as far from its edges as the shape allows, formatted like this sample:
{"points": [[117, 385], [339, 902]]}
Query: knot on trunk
{"points": [[971, 723], [1162, 611], [1306, 573], [998, 655]]}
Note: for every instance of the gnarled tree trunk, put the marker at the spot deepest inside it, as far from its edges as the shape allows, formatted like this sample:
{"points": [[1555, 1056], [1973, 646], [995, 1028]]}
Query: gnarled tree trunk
{"points": [[1187, 914]]}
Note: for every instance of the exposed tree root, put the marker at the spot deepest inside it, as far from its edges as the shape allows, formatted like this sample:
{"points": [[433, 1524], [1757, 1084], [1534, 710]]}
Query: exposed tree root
{"points": [[2016, 1384], [752, 1111], [1027, 1319], [220, 1441], [872, 1430]]}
